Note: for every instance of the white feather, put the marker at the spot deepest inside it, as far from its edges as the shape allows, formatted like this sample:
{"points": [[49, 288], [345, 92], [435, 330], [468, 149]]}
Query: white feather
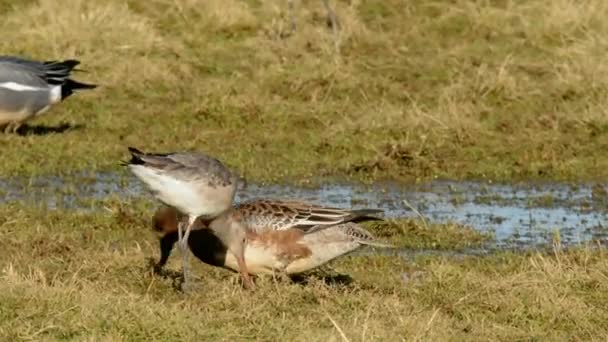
{"points": [[55, 94], [260, 260], [179, 194], [21, 87]]}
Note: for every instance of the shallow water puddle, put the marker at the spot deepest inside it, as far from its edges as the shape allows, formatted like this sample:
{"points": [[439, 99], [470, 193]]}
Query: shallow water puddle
{"points": [[521, 215]]}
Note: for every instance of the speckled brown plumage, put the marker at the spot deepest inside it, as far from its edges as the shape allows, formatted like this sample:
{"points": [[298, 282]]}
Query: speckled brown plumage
{"points": [[262, 214], [283, 236]]}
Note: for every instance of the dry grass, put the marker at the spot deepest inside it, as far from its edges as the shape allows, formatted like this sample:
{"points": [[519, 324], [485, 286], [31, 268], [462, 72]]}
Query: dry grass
{"points": [[422, 89], [69, 275], [495, 89]]}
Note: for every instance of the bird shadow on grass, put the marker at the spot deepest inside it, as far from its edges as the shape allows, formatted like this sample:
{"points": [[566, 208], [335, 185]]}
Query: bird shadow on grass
{"points": [[304, 279], [329, 279], [26, 129], [177, 278]]}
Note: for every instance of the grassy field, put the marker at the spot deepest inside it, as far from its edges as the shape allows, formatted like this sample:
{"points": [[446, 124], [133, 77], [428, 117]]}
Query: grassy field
{"points": [[461, 89], [79, 276], [421, 89]]}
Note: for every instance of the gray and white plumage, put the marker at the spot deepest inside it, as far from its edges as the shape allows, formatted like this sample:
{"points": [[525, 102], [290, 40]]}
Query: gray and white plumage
{"points": [[29, 88], [198, 185], [194, 183]]}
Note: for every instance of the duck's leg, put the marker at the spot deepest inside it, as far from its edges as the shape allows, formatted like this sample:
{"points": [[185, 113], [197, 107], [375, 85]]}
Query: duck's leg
{"points": [[281, 276], [16, 127], [8, 128], [13, 127], [243, 270]]}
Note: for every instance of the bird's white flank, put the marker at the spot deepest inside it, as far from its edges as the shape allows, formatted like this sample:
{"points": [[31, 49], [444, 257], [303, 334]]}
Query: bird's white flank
{"points": [[19, 87]]}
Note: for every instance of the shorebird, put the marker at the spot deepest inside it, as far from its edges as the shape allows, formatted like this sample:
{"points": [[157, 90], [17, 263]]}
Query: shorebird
{"points": [[29, 88], [283, 237], [197, 185]]}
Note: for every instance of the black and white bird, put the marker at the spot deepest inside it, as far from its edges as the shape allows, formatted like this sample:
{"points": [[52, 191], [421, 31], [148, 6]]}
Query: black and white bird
{"points": [[29, 88]]}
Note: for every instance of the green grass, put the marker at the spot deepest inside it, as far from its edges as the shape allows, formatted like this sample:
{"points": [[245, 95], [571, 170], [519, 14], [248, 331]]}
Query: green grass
{"points": [[419, 234], [85, 276], [421, 89]]}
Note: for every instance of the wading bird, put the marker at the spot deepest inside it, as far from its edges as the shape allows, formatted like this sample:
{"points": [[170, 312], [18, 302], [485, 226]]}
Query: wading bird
{"points": [[283, 237], [29, 88], [199, 186]]}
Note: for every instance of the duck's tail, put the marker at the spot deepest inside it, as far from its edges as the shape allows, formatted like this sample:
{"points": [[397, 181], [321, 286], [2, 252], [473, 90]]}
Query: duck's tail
{"points": [[364, 237], [136, 157], [70, 86]]}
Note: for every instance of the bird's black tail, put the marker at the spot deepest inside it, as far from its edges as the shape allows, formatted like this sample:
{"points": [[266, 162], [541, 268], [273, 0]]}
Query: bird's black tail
{"points": [[63, 66], [135, 157], [57, 72], [69, 86], [363, 215]]}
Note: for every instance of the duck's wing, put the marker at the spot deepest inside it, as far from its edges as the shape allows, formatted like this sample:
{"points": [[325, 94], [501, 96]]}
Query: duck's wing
{"points": [[20, 75], [30, 73], [262, 215], [189, 167]]}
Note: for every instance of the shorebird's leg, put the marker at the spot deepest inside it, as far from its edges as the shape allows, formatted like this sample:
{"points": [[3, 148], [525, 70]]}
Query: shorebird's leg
{"points": [[183, 246], [184, 239], [180, 230], [180, 234]]}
